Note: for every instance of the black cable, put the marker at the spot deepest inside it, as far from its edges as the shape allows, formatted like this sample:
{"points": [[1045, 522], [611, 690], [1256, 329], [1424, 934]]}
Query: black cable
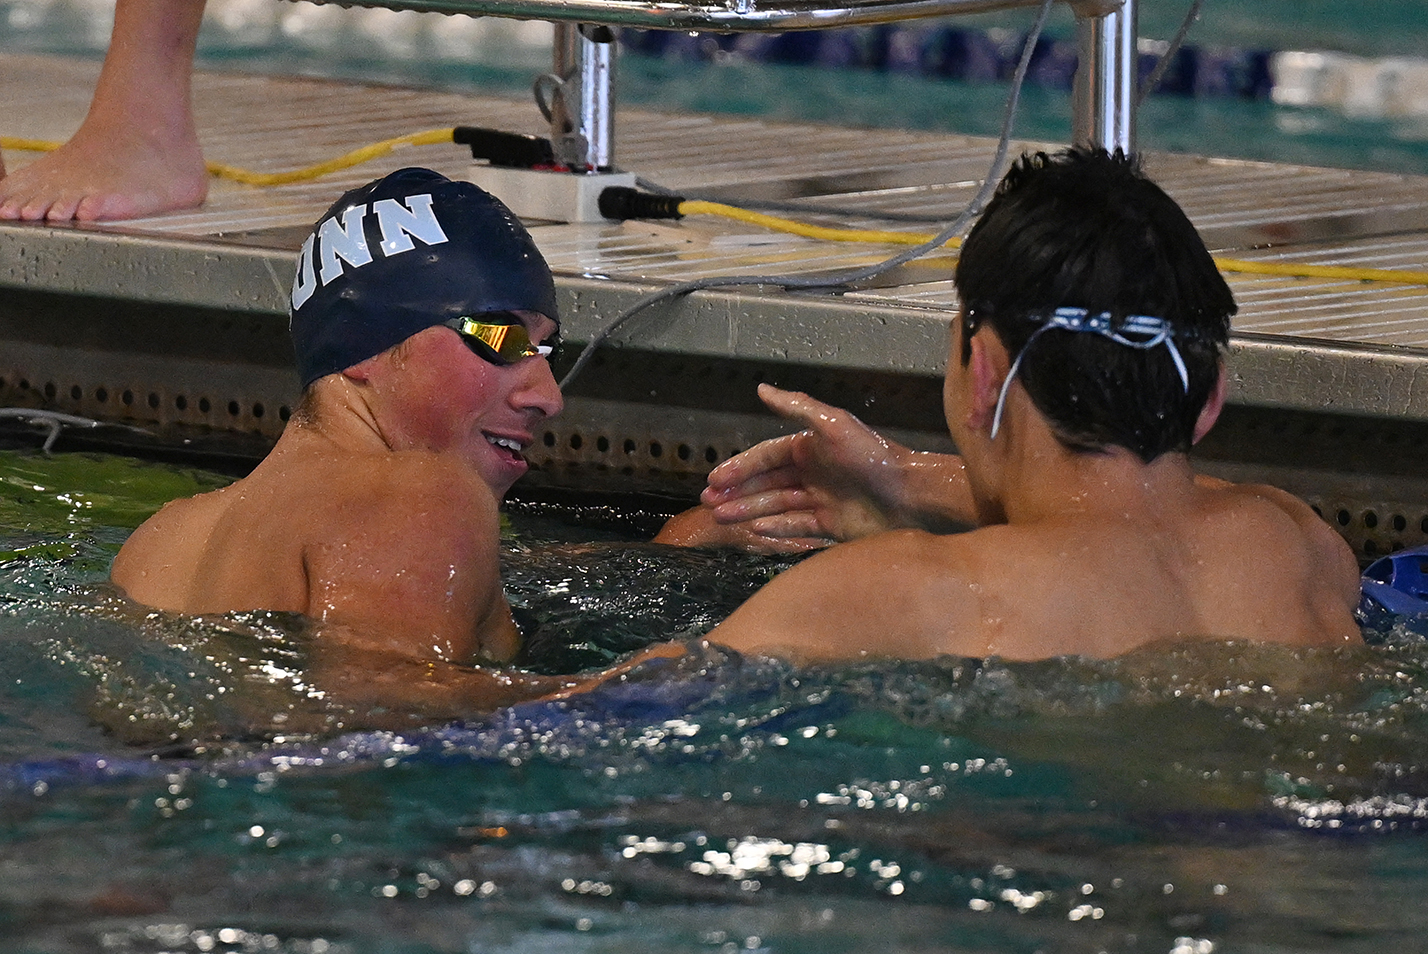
{"points": [[797, 207], [650, 186], [994, 175]]}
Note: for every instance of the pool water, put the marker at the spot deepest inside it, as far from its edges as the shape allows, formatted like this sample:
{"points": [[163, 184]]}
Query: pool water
{"points": [[1214, 798], [171, 784]]}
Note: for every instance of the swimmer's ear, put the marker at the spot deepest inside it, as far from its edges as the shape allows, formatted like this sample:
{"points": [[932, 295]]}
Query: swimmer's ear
{"points": [[986, 369], [1214, 404], [361, 372]]}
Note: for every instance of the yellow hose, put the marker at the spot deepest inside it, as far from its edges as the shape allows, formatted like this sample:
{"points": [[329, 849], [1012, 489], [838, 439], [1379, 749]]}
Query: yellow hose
{"points": [[345, 161], [696, 207], [775, 223], [248, 177], [1338, 272], [29, 145]]}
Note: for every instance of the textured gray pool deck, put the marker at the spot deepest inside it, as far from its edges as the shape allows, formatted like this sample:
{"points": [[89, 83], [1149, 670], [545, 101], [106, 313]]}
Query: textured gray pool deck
{"points": [[120, 320]]}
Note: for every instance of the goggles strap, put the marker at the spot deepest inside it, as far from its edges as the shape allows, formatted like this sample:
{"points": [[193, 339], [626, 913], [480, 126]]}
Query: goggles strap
{"points": [[1157, 330]]}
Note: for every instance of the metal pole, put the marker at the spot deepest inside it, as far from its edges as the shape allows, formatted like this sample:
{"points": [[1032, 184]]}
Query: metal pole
{"points": [[565, 65], [582, 117], [597, 94], [1103, 106]]}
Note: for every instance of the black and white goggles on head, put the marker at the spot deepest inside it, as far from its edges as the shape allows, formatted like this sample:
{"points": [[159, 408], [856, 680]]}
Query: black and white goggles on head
{"points": [[1150, 333]]}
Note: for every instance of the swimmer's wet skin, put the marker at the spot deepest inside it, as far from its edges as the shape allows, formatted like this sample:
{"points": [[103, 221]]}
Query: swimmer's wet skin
{"points": [[1085, 362], [422, 315]]}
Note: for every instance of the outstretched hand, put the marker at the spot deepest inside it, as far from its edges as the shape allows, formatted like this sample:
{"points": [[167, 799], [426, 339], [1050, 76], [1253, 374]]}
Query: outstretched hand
{"points": [[698, 527], [835, 480]]}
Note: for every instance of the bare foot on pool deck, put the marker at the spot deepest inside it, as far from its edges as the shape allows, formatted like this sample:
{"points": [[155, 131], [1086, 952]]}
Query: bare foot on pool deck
{"points": [[137, 151], [97, 176]]}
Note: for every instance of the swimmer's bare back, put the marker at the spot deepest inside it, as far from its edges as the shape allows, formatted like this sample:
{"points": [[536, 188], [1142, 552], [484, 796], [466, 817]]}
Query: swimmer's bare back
{"points": [[1234, 562], [399, 550]]}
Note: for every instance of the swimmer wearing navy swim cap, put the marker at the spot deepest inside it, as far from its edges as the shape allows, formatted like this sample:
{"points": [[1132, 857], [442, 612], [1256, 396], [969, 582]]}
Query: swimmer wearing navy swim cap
{"points": [[404, 253], [423, 319]]}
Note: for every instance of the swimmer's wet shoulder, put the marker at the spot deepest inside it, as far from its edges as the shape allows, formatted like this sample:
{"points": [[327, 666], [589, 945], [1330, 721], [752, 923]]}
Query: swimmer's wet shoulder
{"points": [[899, 594], [395, 549], [156, 565], [1233, 566], [409, 561]]}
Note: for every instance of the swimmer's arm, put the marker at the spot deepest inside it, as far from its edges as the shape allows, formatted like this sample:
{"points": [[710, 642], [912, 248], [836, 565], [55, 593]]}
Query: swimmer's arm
{"points": [[1334, 560], [840, 604], [410, 597], [900, 594], [697, 527], [893, 596], [584, 683], [837, 479], [416, 574], [389, 690]]}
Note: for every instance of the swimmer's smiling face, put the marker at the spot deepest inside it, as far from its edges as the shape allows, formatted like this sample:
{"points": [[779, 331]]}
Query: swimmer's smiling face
{"points": [[433, 393]]}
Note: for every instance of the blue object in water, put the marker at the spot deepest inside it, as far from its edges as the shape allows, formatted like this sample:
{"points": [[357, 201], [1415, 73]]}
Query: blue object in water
{"points": [[1394, 595]]}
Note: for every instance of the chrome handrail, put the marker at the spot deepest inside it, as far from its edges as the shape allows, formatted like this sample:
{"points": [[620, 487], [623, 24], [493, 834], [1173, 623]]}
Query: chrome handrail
{"points": [[1104, 98], [1103, 105], [724, 16]]}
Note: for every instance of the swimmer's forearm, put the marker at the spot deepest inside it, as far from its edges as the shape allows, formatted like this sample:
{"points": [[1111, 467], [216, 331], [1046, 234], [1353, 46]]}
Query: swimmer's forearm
{"points": [[490, 689], [698, 527], [618, 672], [933, 493], [365, 681]]}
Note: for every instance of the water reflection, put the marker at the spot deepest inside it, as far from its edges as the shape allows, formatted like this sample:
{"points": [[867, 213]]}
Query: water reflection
{"points": [[1183, 798]]}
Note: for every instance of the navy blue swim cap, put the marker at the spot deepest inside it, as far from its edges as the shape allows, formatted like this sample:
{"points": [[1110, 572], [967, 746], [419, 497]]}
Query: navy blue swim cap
{"points": [[404, 253]]}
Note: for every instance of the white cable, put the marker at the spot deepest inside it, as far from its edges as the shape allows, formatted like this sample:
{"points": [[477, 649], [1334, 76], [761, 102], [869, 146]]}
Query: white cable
{"points": [[1163, 63]]}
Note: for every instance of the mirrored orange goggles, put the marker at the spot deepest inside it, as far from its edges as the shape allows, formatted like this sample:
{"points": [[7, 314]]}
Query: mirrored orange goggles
{"points": [[500, 338]]}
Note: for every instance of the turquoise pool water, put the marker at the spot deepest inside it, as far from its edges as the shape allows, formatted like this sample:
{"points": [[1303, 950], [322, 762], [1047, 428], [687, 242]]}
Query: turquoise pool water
{"points": [[1225, 798], [155, 797]]}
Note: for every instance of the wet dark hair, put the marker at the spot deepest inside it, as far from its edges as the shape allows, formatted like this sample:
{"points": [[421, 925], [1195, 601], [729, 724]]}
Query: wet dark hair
{"points": [[1086, 229]]}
